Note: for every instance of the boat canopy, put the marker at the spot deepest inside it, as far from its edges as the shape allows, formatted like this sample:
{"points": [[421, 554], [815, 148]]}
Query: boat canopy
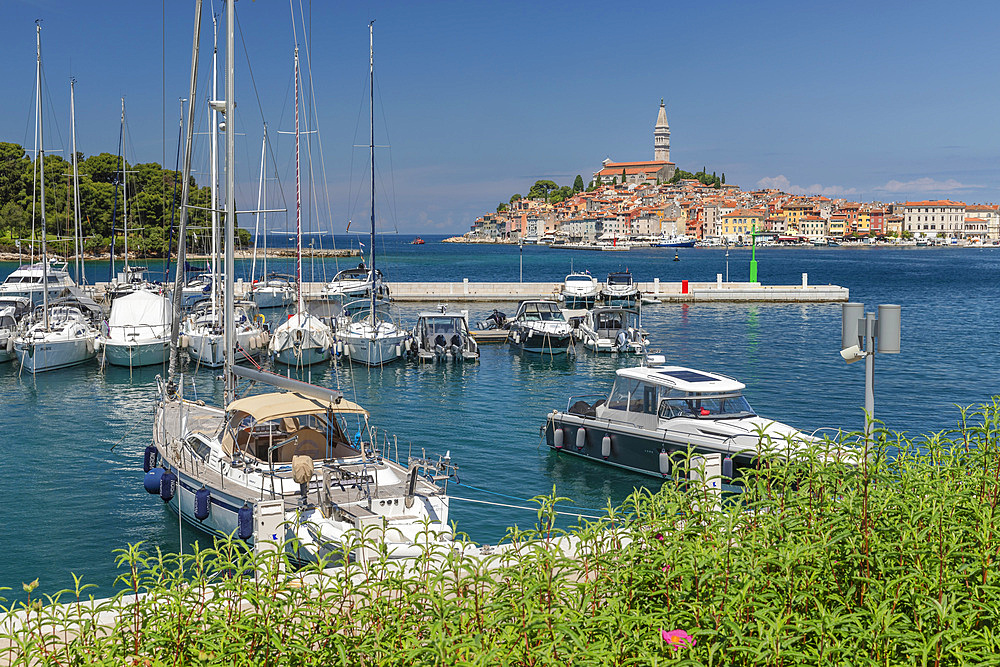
{"points": [[140, 307], [279, 405]]}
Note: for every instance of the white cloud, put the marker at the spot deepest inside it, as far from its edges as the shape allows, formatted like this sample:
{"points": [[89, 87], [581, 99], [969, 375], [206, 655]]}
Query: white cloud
{"points": [[781, 182], [926, 184]]}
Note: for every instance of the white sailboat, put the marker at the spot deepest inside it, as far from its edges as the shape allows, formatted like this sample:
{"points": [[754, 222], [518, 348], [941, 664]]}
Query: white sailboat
{"points": [[60, 333], [203, 328], [371, 337], [288, 453], [138, 332], [271, 290], [302, 339]]}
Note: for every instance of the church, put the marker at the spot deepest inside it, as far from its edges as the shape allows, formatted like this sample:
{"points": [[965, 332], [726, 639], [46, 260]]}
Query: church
{"points": [[659, 169]]}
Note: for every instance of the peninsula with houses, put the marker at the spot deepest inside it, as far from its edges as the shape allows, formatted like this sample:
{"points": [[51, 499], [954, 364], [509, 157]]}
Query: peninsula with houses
{"points": [[653, 203]]}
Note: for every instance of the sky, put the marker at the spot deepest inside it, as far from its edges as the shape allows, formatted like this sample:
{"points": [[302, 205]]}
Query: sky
{"points": [[888, 101]]}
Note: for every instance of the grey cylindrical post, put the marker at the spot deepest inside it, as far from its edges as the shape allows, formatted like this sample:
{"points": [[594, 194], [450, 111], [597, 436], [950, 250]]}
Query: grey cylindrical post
{"points": [[888, 328], [849, 330], [869, 374]]}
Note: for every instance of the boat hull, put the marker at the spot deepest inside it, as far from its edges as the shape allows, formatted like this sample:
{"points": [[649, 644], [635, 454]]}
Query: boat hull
{"points": [[304, 355], [273, 298], [206, 349], [373, 352], [535, 342], [40, 356], [132, 354], [579, 301]]}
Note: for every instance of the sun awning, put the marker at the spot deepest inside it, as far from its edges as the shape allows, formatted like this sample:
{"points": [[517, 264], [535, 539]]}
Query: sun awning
{"points": [[277, 405]]}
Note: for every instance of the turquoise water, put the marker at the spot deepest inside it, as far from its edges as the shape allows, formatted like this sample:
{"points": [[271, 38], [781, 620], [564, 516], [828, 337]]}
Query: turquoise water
{"points": [[71, 441]]}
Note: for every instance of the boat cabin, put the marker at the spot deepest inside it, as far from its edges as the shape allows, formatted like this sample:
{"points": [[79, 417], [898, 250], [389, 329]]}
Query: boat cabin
{"points": [[441, 329], [276, 426], [539, 311], [647, 394], [607, 322], [620, 279]]}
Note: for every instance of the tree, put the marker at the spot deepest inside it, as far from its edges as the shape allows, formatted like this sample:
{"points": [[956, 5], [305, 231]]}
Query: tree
{"points": [[541, 189], [578, 184], [501, 207], [723, 178], [514, 198]]}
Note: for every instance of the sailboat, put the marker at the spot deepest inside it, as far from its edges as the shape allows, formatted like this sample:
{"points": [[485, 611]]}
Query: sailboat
{"points": [[286, 453], [203, 327], [271, 290], [370, 336], [61, 332], [302, 339]]}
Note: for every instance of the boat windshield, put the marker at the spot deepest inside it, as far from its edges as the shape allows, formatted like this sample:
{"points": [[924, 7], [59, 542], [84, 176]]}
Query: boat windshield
{"points": [[542, 312], [579, 279], [619, 278], [705, 406], [436, 325]]}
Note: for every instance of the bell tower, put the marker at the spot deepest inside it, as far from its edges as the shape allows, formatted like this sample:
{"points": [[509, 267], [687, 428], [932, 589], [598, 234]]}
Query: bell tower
{"points": [[661, 136]]}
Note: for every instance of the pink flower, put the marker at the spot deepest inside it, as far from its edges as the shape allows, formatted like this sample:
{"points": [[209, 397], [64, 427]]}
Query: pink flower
{"points": [[659, 536], [665, 568], [677, 639]]}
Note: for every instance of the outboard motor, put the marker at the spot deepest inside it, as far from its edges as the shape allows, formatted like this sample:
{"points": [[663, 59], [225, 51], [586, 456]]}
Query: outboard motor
{"points": [[621, 341], [440, 344], [456, 347]]}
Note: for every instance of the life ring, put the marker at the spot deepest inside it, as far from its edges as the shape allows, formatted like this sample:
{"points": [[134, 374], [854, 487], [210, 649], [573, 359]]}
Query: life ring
{"points": [[261, 318]]}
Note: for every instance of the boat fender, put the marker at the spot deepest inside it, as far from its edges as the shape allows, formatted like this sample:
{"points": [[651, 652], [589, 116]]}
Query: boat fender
{"points": [[97, 345], [517, 338], [151, 481], [185, 341], [168, 485], [664, 457], [557, 438], [340, 347], [90, 346], [398, 350], [606, 447], [202, 503], [10, 345], [347, 351], [252, 343], [149, 458], [581, 437], [727, 467], [244, 522]]}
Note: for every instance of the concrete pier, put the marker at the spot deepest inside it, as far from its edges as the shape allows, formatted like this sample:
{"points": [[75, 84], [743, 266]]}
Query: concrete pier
{"points": [[668, 292]]}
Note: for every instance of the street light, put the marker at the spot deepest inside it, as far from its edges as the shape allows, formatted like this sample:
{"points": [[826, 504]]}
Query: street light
{"points": [[859, 332]]}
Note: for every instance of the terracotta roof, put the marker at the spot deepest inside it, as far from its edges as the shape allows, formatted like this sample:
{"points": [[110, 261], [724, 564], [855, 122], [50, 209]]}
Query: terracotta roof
{"points": [[934, 203]]}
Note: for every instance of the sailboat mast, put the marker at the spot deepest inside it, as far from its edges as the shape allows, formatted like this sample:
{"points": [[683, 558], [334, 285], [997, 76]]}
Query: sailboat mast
{"points": [[260, 195], [371, 150], [41, 170], [124, 195], [214, 123], [77, 222], [175, 324], [298, 196], [230, 194]]}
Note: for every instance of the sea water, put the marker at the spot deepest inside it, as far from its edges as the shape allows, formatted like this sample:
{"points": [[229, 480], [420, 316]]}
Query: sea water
{"points": [[71, 441]]}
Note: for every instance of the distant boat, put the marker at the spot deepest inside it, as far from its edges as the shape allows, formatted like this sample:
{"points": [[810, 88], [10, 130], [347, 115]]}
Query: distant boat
{"points": [[417, 241]]}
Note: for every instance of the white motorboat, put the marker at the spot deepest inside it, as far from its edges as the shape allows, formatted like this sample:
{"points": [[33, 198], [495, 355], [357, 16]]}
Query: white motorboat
{"points": [[301, 465], [539, 326], [62, 335], [655, 413], [673, 241], [356, 284], [12, 310], [580, 291], [620, 289], [28, 280], [138, 332], [613, 329], [202, 333], [443, 336]]}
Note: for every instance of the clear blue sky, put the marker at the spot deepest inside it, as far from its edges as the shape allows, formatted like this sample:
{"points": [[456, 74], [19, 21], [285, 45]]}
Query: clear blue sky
{"points": [[887, 101]]}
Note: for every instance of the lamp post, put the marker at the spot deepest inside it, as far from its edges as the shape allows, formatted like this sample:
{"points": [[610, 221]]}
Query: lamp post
{"points": [[727, 260], [861, 335], [753, 252]]}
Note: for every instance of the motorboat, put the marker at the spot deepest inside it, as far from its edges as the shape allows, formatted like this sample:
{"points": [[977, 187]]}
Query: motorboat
{"points": [[443, 336], [62, 335], [539, 326], [202, 333], [274, 291], [417, 241], [12, 310], [138, 331], [580, 291], [613, 329], [28, 280], [356, 283], [673, 241], [655, 413], [620, 289]]}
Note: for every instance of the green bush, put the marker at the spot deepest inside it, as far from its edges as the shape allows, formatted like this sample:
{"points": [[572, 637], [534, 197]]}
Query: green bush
{"points": [[890, 561]]}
